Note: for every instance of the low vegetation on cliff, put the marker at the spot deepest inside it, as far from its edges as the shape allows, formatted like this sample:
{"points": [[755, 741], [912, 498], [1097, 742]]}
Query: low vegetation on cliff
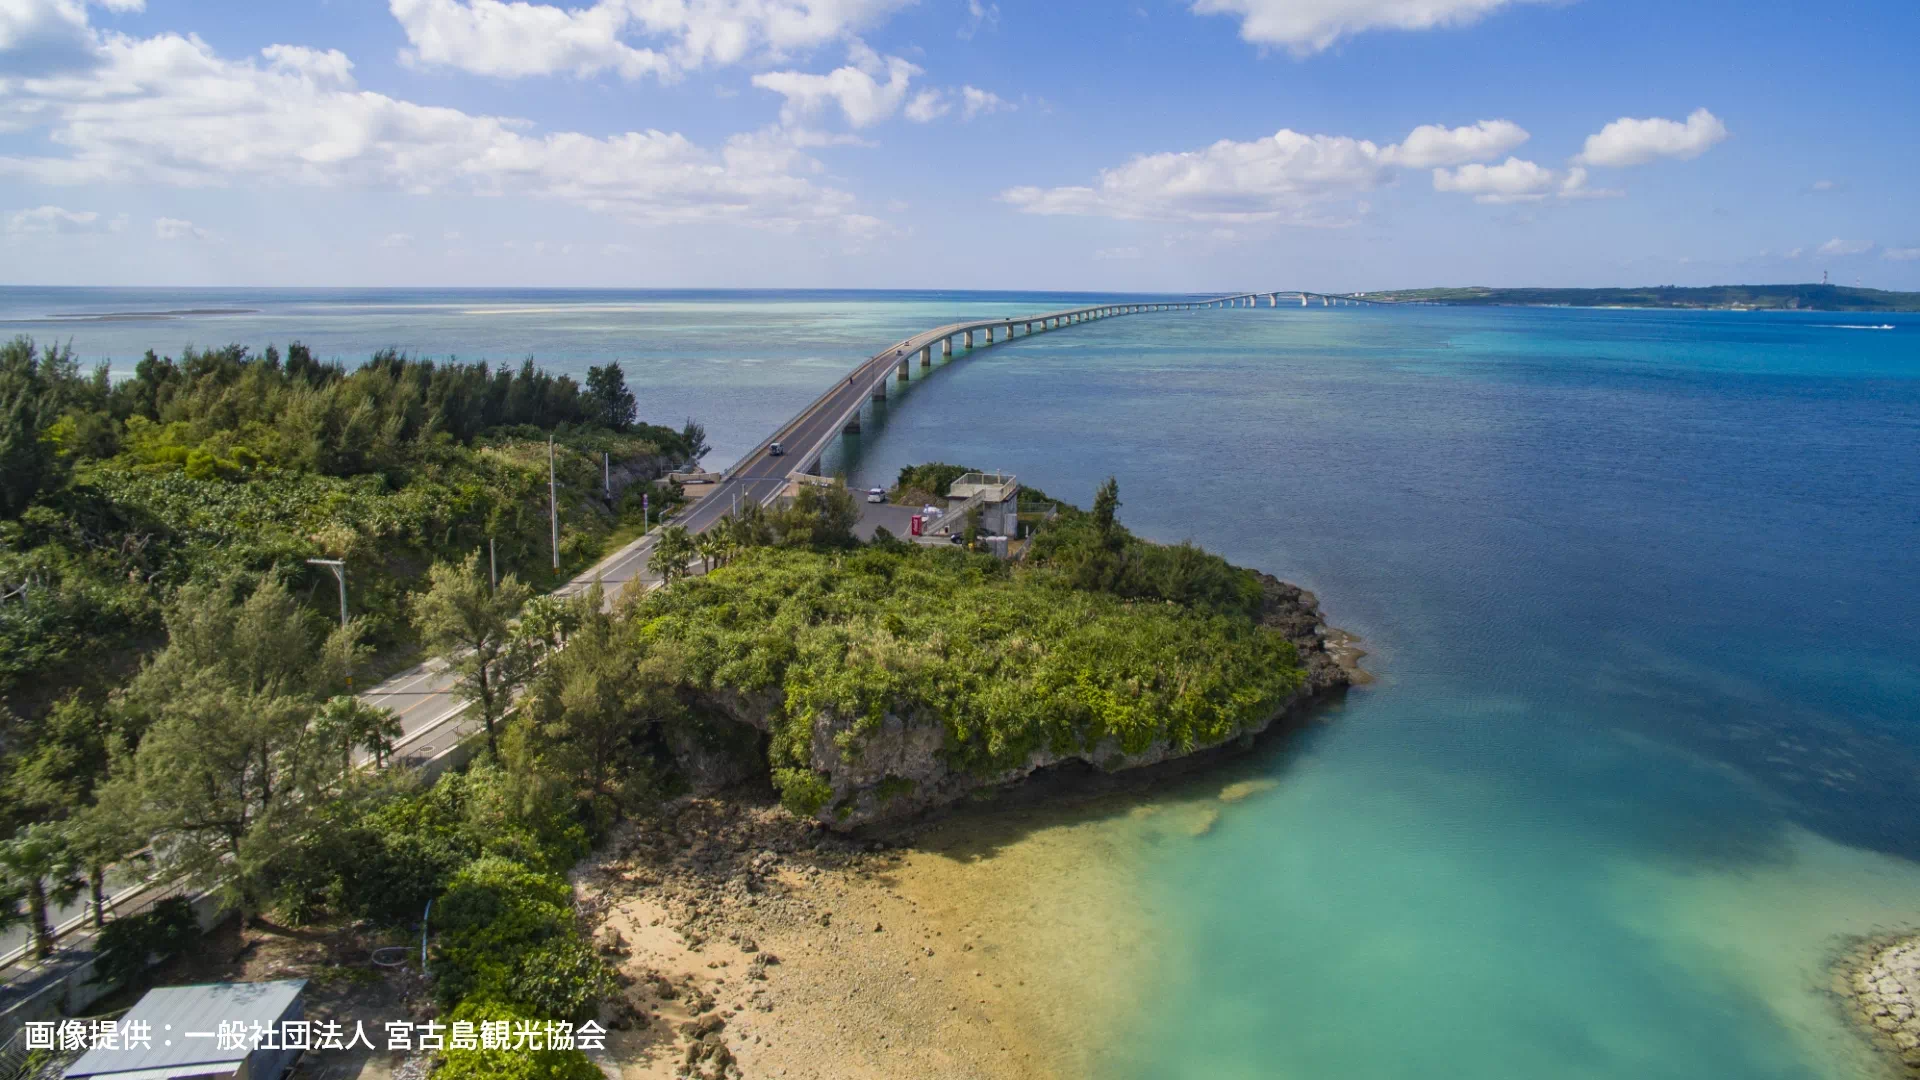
{"points": [[1100, 639]]}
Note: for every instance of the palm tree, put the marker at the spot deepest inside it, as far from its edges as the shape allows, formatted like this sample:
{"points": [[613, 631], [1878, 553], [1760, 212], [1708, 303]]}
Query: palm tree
{"points": [[671, 553], [712, 549], [39, 864]]}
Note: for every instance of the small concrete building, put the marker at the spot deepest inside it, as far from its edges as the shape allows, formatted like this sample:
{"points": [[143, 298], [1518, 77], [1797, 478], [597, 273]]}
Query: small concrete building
{"points": [[183, 1029], [996, 494]]}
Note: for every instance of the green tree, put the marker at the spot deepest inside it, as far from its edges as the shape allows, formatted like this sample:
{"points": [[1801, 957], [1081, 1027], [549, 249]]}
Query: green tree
{"points": [[672, 551], [38, 864], [590, 708], [65, 755], [56, 779], [1106, 507], [345, 724], [820, 517], [546, 621], [470, 624], [608, 401], [693, 441], [101, 835], [711, 546], [233, 758], [30, 404]]}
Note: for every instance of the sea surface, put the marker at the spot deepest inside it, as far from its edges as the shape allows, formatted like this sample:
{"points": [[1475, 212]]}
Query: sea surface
{"points": [[1642, 591]]}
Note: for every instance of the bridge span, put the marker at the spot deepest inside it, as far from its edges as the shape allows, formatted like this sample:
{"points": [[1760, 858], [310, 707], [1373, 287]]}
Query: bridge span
{"points": [[432, 719], [761, 475]]}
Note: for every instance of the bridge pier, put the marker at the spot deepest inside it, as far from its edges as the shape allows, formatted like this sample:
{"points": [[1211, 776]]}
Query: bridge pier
{"points": [[926, 356], [969, 339], [901, 372], [989, 335], [880, 390], [852, 428], [946, 346]]}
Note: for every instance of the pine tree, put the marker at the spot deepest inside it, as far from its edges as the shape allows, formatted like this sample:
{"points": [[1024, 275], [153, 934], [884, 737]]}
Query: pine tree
{"points": [[608, 400]]}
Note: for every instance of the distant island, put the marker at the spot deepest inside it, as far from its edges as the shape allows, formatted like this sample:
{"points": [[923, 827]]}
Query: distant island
{"points": [[1722, 297]]}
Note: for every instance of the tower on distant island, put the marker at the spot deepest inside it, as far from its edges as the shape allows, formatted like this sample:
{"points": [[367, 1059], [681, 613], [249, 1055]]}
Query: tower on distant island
{"points": [[1823, 277]]}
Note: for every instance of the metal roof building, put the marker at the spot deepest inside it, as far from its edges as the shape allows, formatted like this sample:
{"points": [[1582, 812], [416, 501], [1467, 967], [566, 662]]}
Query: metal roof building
{"points": [[183, 1026]]}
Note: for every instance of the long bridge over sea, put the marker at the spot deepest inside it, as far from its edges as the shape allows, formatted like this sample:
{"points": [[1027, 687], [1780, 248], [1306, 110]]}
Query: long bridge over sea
{"points": [[432, 718], [762, 475]]}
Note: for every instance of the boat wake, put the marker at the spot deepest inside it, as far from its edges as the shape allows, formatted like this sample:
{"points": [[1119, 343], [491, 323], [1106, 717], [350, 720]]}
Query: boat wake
{"points": [[1858, 326]]}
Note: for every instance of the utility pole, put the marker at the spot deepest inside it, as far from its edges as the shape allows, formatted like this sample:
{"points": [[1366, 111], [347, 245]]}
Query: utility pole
{"points": [[553, 505], [493, 568]]}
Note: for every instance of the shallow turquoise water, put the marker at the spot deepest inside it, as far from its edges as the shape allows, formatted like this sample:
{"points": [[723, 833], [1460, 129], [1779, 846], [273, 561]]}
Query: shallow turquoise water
{"points": [[1641, 586]]}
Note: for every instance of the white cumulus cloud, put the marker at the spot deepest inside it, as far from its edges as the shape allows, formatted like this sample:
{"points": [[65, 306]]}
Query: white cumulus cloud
{"points": [[1901, 254], [1431, 145], [1284, 177], [167, 228], [633, 38], [1627, 141], [977, 102], [1287, 177], [1837, 246], [1516, 180], [510, 40], [169, 110], [928, 106], [1310, 26], [868, 89], [59, 220]]}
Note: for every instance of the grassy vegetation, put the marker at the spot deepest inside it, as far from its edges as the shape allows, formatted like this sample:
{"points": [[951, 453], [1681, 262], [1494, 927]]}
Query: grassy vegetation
{"points": [[1763, 297]]}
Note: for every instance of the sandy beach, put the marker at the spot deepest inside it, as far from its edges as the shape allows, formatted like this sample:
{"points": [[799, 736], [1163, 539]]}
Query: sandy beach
{"points": [[995, 943]]}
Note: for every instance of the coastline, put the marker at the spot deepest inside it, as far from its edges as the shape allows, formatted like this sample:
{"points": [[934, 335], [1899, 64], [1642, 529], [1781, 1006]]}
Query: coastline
{"points": [[1879, 982], [996, 943], [1004, 937]]}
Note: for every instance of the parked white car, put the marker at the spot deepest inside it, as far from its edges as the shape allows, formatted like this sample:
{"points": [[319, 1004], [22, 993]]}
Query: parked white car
{"points": [[876, 495]]}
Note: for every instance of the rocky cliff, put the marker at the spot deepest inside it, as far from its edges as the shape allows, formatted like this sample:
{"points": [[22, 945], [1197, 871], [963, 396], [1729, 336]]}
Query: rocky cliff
{"points": [[901, 770]]}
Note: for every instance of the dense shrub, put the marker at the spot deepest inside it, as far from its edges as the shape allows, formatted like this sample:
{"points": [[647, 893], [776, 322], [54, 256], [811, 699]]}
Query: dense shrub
{"points": [[508, 936], [510, 1064], [934, 478], [1007, 660]]}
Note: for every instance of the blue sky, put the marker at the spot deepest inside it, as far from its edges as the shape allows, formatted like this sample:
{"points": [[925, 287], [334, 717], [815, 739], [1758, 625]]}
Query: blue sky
{"points": [[1154, 145]]}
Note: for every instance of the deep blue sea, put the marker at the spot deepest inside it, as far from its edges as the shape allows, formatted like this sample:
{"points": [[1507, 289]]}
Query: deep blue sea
{"points": [[1642, 591]]}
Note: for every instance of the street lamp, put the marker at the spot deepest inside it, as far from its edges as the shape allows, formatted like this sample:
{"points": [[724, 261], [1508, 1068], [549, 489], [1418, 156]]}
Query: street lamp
{"points": [[339, 569]]}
